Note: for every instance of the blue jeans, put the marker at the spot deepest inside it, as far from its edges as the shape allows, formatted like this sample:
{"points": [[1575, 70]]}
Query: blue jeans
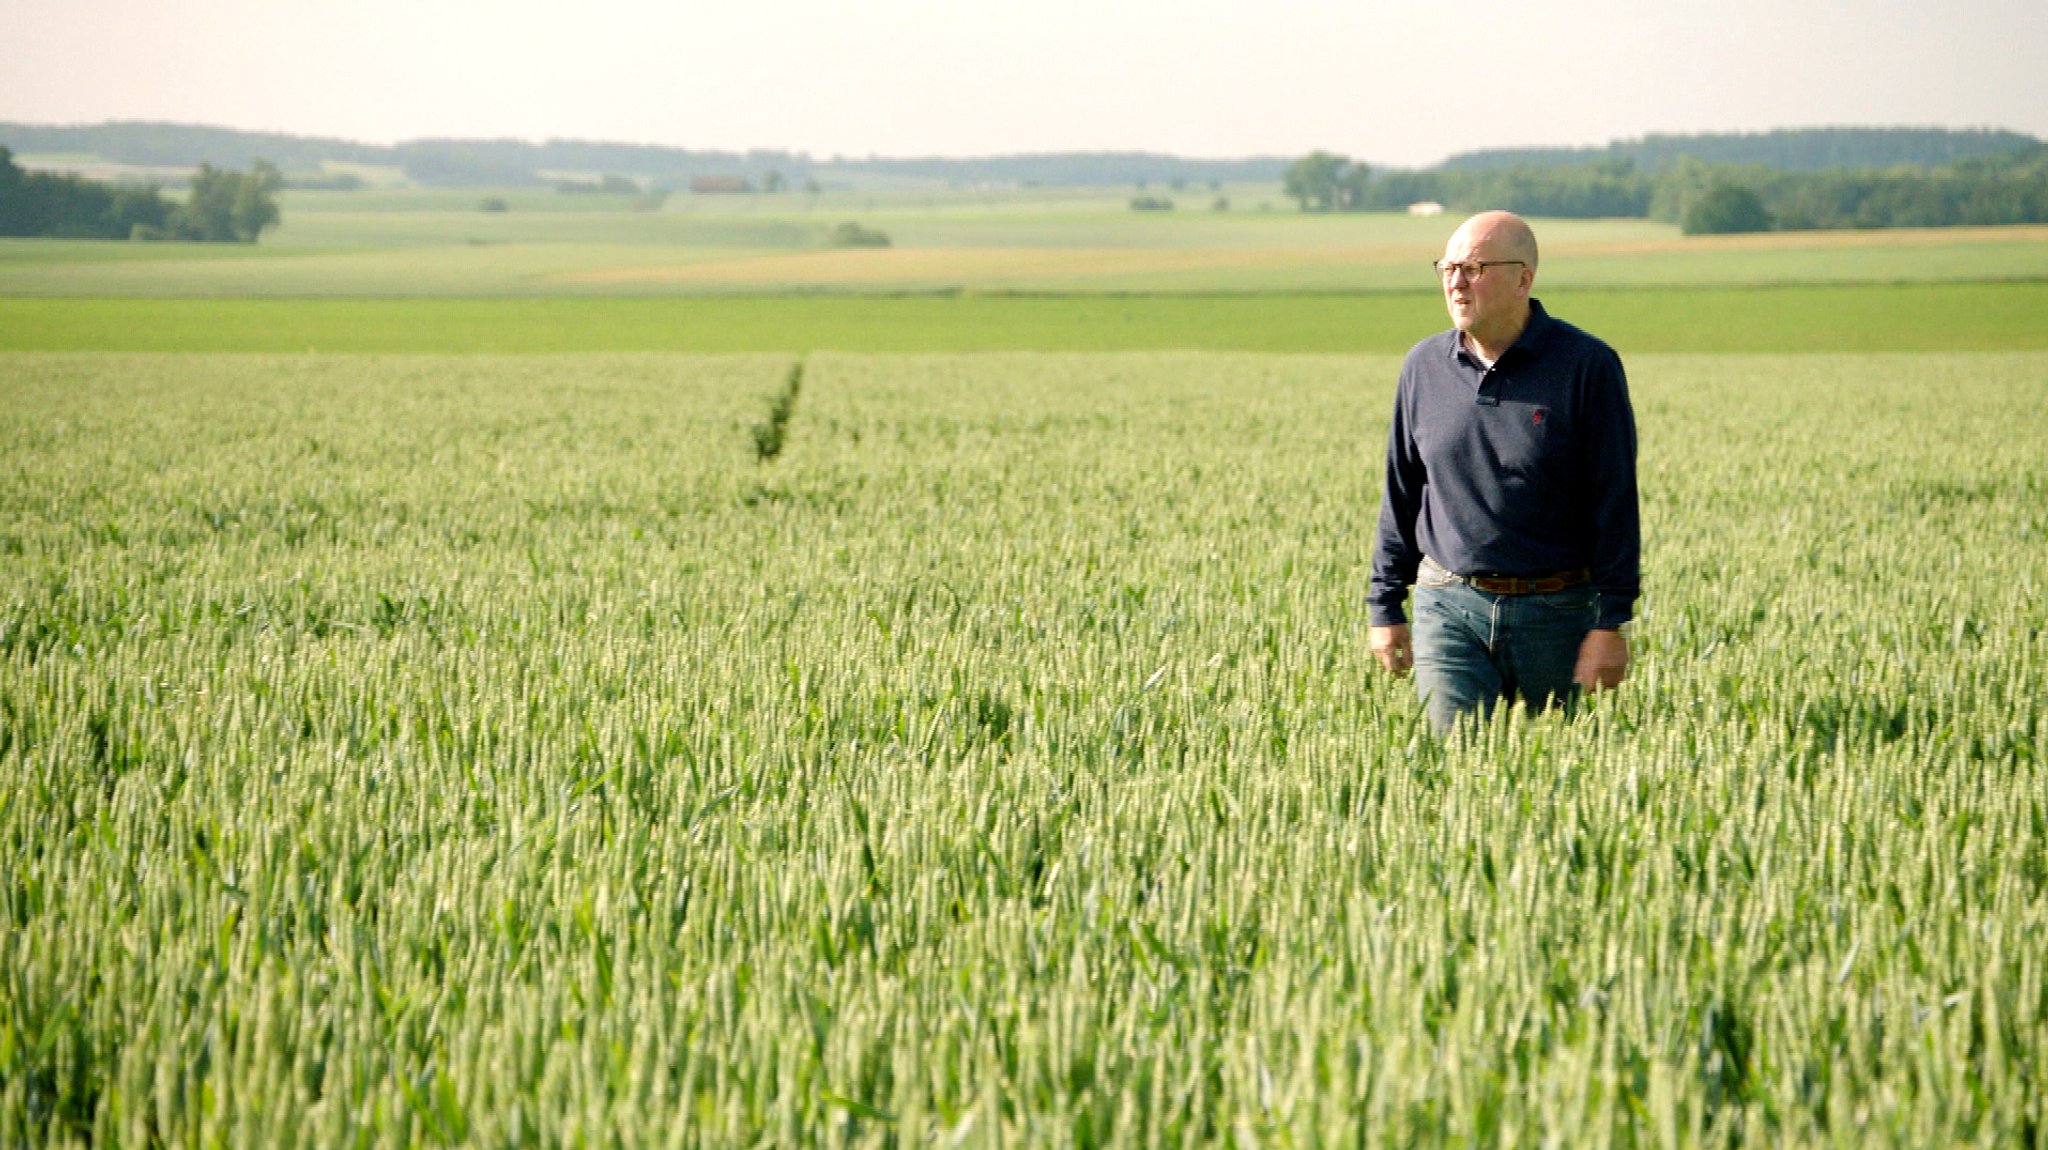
{"points": [[1474, 648]]}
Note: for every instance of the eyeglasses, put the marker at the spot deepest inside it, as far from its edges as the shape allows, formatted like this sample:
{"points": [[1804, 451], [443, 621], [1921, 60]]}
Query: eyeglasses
{"points": [[1474, 270]]}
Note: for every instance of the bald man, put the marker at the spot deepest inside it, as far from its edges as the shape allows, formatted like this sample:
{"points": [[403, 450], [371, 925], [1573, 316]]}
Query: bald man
{"points": [[1510, 497]]}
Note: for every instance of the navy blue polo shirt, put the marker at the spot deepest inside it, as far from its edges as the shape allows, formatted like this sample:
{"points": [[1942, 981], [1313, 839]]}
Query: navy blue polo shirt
{"points": [[1526, 468]]}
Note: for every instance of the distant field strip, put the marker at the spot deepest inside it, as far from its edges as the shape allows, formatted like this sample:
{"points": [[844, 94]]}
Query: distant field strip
{"points": [[1910, 317], [948, 265], [559, 253], [942, 265]]}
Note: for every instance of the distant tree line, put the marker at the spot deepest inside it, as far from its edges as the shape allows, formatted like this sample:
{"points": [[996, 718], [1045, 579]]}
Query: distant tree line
{"points": [[2011, 189], [152, 144], [519, 163], [1071, 169], [1701, 197], [1793, 149], [223, 206], [1625, 178], [60, 204], [1603, 188]]}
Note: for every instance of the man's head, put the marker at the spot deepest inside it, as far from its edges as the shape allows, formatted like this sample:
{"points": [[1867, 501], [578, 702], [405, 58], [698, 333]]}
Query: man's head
{"points": [[1493, 306]]}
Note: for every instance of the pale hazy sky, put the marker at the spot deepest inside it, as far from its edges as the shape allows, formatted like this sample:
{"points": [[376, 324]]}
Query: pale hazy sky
{"points": [[1401, 83]]}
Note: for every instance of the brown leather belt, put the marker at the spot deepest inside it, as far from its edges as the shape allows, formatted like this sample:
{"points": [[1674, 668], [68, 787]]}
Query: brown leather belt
{"points": [[1543, 585], [1513, 585]]}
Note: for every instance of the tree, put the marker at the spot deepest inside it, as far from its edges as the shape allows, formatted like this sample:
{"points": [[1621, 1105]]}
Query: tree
{"points": [[1351, 189], [1323, 182], [853, 235], [1313, 180], [227, 206], [1725, 209]]}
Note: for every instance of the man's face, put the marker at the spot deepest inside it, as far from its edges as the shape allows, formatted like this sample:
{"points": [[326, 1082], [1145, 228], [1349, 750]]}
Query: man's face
{"points": [[1497, 296]]}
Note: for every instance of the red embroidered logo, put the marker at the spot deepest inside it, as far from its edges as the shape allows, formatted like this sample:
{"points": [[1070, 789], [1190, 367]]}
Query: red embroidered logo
{"points": [[1536, 417]]}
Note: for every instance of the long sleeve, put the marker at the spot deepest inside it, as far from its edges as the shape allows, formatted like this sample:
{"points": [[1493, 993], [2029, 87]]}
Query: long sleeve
{"points": [[1616, 525], [1396, 556]]}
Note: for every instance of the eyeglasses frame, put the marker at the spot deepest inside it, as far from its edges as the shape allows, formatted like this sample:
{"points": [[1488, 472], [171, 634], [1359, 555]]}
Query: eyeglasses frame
{"points": [[1448, 270]]}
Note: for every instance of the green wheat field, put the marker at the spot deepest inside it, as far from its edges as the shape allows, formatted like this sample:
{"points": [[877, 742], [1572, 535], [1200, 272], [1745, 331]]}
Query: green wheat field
{"points": [[823, 732]]}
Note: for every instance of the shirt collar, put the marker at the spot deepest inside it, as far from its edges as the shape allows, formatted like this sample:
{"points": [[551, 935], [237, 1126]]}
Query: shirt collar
{"points": [[1534, 334], [1537, 332]]}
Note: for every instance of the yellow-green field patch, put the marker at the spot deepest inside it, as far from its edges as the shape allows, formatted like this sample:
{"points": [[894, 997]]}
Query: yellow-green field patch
{"points": [[1901, 317], [971, 267]]}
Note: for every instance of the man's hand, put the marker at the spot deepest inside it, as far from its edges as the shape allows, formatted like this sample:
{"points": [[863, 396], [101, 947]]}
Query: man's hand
{"points": [[1395, 650], [1603, 660]]}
